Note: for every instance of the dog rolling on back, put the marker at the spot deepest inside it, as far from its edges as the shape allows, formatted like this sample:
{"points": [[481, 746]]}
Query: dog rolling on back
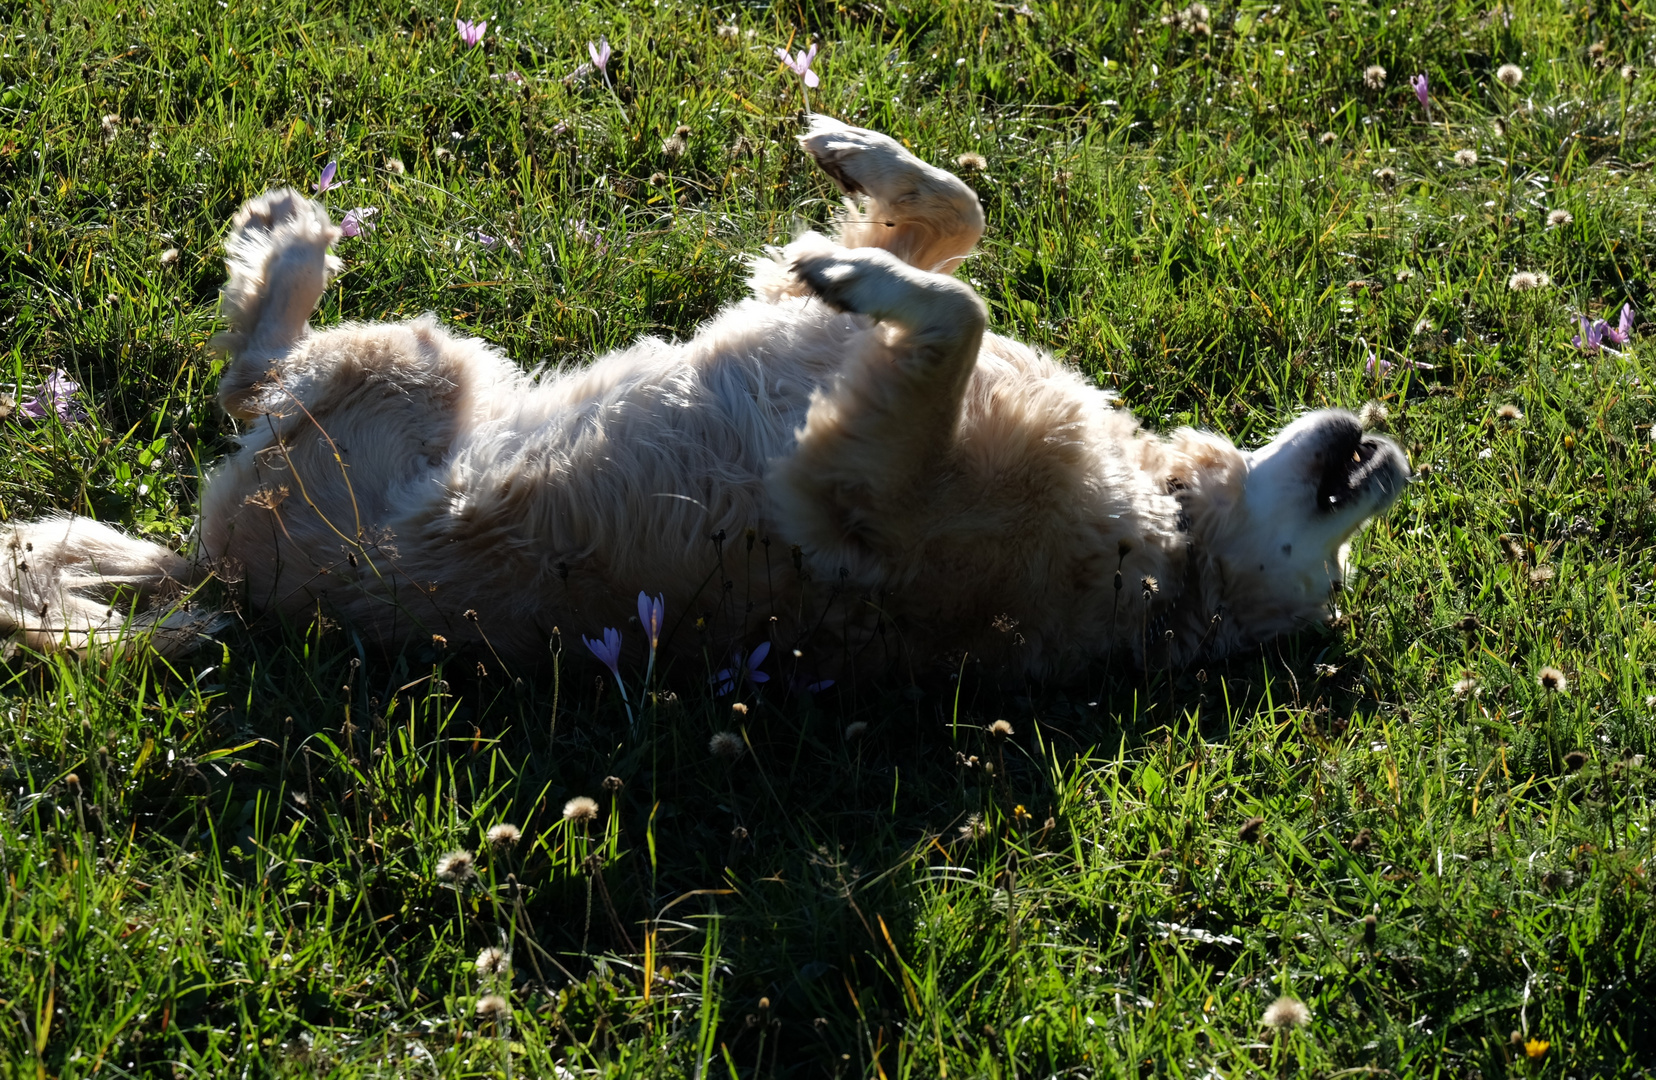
{"points": [[846, 464]]}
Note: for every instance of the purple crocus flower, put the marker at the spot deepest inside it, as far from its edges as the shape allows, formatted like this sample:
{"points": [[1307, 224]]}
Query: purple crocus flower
{"points": [[356, 223], [1622, 332], [326, 180], [1377, 366], [600, 54], [608, 649], [55, 395], [744, 667], [650, 611], [471, 33], [801, 64], [588, 235], [1591, 338], [1422, 89]]}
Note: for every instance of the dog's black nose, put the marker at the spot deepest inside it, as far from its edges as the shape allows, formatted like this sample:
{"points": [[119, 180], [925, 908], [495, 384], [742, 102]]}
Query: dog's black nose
{"points": [[1352, 462]]}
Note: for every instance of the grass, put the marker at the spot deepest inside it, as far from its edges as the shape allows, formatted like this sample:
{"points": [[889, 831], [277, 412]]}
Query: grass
{"points": [[229, 864]]}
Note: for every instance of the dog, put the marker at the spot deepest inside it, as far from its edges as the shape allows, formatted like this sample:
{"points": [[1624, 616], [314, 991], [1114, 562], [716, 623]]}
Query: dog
{"points": [[846, 465]]}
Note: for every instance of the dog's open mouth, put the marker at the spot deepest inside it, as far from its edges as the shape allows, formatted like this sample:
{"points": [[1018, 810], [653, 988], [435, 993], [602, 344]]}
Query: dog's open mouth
{"points": [[1357, 466]]}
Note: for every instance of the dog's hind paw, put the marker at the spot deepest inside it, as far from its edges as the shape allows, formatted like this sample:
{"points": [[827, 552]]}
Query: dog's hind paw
{"points": [[268, 212], [862, 162]]}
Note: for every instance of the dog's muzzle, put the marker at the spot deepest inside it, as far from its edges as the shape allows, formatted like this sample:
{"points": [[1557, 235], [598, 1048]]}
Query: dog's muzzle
{"points": [[1358, 468]]}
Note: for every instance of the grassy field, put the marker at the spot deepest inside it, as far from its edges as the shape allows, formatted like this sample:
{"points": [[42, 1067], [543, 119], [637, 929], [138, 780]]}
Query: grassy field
{"points": [[1431, 825]]}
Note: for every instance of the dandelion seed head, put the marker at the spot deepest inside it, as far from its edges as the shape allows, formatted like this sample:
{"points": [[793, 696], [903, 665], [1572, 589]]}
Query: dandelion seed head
{"points": [[1555, 218], [1509, 413], [1286, 1012], [613, 785], [1405, 275], [727, 745], [1466, 157], [678, 143], [1327, 138], [395, 167], [1374, 77], [1552, 680], [855, 730], [1000, 729], [1629, 73], [1510, 75], [1373, 415], [493, 961], [169, 256], [456, 867], [581, 808], [493, 1008], [1540, 575], [1386, 175], [1465, 687], [975, 828], [505, 836], [972, 161], [1524, 281]]}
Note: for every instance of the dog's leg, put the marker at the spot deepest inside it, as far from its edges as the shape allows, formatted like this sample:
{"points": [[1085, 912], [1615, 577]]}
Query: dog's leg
{"points": [[279, 263], [923, 215], [856, 489]]}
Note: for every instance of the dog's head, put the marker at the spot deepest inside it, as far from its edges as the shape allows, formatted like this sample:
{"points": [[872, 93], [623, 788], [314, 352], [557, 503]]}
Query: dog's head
{"points": [[1311, 488], [1277, 544]]}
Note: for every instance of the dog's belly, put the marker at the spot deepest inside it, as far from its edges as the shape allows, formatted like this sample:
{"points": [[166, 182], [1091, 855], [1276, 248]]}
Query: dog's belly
{"points": [[556, 502]]}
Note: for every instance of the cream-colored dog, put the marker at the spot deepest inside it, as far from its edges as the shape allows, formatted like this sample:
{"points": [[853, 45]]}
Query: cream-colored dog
{"points": [[846, 465]]}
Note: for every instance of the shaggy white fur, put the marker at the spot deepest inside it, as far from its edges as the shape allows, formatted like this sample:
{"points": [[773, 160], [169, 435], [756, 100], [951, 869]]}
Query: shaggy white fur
{"points": [[846, 465]]}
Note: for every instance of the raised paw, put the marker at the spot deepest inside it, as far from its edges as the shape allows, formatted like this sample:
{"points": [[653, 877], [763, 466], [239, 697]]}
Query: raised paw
{"points": [[268, 212], [862, 162], [868, 281]]}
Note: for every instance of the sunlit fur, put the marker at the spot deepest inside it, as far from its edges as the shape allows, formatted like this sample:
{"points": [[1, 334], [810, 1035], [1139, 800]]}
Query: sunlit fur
{"points": [[845, 464]]}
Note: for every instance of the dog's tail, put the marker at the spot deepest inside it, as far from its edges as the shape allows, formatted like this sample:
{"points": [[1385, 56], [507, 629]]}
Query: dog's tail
{"points": [[74, 584]]}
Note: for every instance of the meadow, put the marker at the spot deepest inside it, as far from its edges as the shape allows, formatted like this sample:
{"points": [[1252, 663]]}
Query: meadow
{"points": [[1416, 843]]}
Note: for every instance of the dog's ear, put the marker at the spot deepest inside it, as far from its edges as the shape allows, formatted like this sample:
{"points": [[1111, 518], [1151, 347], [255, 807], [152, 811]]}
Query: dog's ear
{"points": [[1208, 475]]}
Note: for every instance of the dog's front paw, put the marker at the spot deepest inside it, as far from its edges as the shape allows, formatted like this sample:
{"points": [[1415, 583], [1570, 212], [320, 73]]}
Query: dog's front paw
{"points": [[863, 280]]}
